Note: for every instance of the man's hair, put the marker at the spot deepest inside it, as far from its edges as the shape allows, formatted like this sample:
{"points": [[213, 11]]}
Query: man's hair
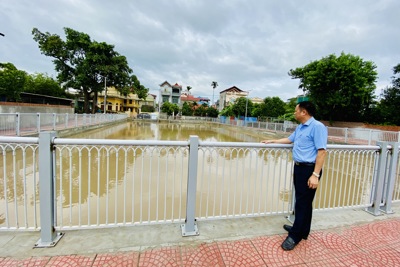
{"points": [[308, 106]]}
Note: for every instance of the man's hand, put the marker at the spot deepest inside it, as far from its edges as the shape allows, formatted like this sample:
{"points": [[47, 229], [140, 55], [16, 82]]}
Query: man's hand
{"points": [[313, 182], [267, 141]]}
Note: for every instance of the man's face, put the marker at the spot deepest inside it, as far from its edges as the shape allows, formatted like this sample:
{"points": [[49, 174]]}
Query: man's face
{"points": [[299, 113]]}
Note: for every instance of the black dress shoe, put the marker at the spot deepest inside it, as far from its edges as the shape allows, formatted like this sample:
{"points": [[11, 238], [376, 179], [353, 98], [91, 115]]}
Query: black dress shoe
{"points": [[287, 227], [288, 244]]}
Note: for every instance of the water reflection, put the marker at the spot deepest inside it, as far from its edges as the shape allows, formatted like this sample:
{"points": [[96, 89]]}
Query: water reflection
{"points": [[103, 184]]}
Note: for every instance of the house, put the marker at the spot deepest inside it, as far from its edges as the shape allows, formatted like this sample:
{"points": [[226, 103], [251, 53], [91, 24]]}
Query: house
{"points": [[199, 100], [256, 100], [149, 101], [170, 93], [116, 102], [229, 96]]}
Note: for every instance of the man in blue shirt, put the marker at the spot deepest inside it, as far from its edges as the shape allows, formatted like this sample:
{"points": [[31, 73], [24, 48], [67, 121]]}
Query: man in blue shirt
{"points": [[309, 151]]}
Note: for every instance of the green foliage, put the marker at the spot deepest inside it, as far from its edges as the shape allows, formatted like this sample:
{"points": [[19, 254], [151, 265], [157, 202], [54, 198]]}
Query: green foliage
{"points": [[212, 112], [227, 111], [14, 81], [147, 108], [43, 85], [387, 110], [271, 107], [341, 87], [187, 110], [85, 64], [170, 108], [241, 105]]}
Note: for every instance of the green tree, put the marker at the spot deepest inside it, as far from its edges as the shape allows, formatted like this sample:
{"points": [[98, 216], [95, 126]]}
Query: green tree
{"points": [[390, 101], [212, 112], [201, 111], [239, 107], [85, 64], [187, 109], [289, 110], [214, 85], [227, 111], [272, 107], [170, 108], [44, 85], [341, 87], [12, 82]]}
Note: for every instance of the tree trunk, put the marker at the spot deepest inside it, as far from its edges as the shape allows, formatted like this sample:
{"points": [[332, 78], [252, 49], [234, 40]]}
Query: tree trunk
{"points": [[94, 103], [86, 107]]}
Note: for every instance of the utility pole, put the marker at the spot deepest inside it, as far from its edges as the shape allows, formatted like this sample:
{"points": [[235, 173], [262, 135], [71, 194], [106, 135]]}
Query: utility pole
{"points": [[105, 95]]}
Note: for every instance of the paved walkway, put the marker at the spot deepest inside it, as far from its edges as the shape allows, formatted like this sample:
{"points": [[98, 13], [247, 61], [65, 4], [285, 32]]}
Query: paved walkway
{"points": [[339, 238]]}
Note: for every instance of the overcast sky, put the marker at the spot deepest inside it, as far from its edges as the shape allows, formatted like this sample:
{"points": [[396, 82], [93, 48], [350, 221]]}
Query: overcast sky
{"points": [[251, 44]]}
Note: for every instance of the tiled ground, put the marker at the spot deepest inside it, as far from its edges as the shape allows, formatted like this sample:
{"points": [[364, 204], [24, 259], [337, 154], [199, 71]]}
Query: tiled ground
{"points": [[373, 244]]}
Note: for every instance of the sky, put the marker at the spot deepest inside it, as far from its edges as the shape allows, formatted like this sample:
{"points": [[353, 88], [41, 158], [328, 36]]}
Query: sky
{"points": [[250, 44]]}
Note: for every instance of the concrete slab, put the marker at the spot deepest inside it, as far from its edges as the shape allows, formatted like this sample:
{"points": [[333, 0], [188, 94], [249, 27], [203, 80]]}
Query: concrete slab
{"points": [[137, 238]]}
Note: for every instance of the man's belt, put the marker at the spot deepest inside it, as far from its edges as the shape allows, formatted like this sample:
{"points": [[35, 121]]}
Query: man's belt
{"points": [[304, 163]]}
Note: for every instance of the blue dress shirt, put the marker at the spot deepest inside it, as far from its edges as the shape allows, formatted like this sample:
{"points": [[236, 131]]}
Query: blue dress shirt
{"points": [[307, 139]]}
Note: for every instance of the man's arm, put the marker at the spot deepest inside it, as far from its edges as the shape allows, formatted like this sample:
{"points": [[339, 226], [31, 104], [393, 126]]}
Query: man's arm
{"points": [[319, 162], [277, 141]]}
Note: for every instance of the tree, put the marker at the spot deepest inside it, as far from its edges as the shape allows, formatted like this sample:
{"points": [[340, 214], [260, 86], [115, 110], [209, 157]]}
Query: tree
{"points": [[271, 107], [227, 111], [212, 112], [341, 87], [240, 106], [44, 85], [12, 82], [84, 64], [214, 85], [187, 109], [188, 88], [170, 108], [390, 100]]}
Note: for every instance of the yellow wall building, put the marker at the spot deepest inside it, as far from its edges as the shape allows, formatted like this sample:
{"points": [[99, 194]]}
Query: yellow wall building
{"points": [[118, 103]]}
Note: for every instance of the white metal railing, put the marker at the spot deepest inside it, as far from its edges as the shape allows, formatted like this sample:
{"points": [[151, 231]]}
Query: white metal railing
{"points": [[355, 136], [105, 183], [22, 124]]}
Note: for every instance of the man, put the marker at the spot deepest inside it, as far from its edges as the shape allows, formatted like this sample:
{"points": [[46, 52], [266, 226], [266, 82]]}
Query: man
{"points": [[309, 151]]}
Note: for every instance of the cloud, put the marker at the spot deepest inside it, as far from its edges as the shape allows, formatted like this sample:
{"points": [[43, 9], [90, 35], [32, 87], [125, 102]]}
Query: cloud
{"points": [[250, 44]]}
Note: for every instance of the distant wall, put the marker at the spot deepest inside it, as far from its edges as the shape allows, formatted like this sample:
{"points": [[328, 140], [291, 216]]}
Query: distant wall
{"points": [[10, 107]]}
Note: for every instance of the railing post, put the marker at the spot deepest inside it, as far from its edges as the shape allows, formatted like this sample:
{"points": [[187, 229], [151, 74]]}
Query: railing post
{"points": [[38, 122], [18, 124], [48, 235], [370, 137], [190, 226], [379, 180], [54, 121], [346, 130], [391, 178], [66, 120]]}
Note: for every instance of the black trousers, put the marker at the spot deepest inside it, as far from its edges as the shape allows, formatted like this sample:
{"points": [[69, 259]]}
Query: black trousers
{"points": [[304, 202]]}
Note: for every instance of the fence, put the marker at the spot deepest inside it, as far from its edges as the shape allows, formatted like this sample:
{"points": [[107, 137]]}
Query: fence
{"points": [[357, 136], [86, 183], [23, 124]]}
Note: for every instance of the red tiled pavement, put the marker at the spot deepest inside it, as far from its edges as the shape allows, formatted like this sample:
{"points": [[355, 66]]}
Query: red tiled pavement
{"points": [[372, 244]]}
